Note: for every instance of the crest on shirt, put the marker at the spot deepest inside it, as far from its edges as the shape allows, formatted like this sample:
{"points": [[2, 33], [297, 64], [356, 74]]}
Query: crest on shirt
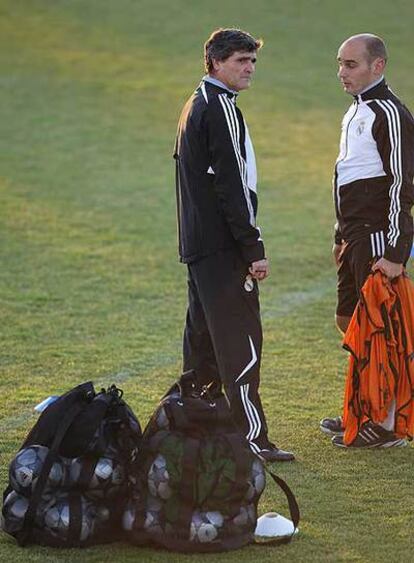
{"points": [[360, 128]]}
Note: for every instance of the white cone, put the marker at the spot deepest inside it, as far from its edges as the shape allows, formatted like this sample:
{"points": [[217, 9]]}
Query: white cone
{"points": [[273, 525]]}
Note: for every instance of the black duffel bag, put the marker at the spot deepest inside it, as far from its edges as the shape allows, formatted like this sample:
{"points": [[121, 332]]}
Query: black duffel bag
{"points": [[200, 484], [70, 480]]}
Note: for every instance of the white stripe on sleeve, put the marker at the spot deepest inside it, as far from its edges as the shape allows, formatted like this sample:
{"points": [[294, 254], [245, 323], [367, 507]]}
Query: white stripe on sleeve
{"points": [[234, 130], [394, 126]]}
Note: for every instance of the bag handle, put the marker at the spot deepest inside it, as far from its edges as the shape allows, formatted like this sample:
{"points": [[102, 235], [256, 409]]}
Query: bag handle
{"points": [[293, 510], [23, 535]]}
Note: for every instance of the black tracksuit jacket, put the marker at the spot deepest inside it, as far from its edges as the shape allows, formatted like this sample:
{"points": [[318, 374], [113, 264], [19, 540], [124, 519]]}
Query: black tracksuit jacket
{"points": [[373, 181], [216, 207]]}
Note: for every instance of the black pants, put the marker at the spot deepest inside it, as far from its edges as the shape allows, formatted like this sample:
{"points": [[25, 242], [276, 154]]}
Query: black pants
{"points": [[223, 337], [356, 261]]}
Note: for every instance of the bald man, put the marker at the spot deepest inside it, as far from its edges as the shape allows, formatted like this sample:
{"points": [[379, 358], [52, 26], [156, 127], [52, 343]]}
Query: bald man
{"points": [[373, 194]]}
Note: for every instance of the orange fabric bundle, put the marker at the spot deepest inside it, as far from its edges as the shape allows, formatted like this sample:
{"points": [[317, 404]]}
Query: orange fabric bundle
{"points": [[380, 339]]}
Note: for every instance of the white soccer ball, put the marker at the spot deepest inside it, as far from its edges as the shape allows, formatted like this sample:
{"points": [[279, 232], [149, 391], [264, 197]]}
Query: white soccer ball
{"points": [[216, 518], [57, 518], [152, 523], [258, 476], [246, 518], [242, 518], [13, 513], [252, 513], [57, 474], [128, 517], [107, 478], [158, 479], [102, 513], [204, 526], [26, 467], [257, 481]]}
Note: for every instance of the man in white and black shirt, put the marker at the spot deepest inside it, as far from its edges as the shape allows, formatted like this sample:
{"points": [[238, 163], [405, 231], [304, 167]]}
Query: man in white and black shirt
{"points": [[218, 236], [373, 183]]}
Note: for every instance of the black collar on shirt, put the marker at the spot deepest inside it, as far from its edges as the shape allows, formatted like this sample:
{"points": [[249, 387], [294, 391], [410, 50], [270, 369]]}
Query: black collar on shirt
{"points": [[220, 90], [379, 91]]}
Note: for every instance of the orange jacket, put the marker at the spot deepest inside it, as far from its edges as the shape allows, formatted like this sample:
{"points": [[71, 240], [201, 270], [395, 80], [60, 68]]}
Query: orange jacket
{"points": [[380, 339]]}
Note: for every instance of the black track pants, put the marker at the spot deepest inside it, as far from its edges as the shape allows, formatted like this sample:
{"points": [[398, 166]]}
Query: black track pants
{"points": [[223, 337], [355, 263]]}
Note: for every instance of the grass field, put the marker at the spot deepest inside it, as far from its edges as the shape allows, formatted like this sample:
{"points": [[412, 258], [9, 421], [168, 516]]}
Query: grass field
{"points": [[90, 285]]}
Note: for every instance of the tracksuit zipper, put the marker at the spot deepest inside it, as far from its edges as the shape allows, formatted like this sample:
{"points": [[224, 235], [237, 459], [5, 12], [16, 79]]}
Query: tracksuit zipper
{"points": [[338, 199], [347, 130]]}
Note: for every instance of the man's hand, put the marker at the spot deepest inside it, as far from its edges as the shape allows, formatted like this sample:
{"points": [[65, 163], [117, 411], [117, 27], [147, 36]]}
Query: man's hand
{"points": [[336, 251], [390, 269], [259, 270]]}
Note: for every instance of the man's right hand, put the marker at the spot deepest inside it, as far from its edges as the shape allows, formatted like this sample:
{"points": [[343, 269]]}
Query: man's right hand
{"points": [[336, 251], [259, 270], [390, 269]]}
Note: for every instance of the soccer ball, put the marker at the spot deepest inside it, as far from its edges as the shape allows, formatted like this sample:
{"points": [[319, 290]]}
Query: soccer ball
{"points": [[152, 521], [108, 477], [246, 517], [26, 467], [257, 481], [128, 517], [252, 513], [106, 480], [161, 419], [214, 517], [205, 526], [13, 513], [57, 474], [57, 518], [158, 479], [102, 513]]}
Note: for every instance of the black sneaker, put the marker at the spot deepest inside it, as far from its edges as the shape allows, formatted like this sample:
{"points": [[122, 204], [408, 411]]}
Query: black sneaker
{"points": [[372, 436], [332, 426], [273, 453]]}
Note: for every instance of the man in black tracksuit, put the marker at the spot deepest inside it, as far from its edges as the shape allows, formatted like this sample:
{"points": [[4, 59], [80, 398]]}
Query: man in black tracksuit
{"points": [[218, 237], [373, 192]]}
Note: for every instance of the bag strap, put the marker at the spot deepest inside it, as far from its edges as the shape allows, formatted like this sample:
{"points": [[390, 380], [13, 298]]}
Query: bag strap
{"points": [[23, 536], [293, 510], [242, 458], [188, 466], [75, 519]]}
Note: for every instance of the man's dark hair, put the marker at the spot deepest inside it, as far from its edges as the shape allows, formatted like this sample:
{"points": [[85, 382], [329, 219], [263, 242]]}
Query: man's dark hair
{"points": [[222, 43], [375, 47]]}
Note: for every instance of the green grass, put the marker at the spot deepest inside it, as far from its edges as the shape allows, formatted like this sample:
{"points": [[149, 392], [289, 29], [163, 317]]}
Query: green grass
{"points": [[90, 287]]}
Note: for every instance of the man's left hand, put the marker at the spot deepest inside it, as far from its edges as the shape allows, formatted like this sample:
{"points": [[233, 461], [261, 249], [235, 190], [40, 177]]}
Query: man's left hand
{"points": [[390, 269], [259, 270]]}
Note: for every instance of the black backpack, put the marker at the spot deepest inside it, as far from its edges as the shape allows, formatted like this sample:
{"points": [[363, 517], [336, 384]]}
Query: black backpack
{"points": [[70, 481], [199, 483]]}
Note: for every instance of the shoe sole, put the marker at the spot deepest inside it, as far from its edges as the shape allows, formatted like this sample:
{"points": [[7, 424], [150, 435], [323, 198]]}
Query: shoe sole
{"points": [[275, 460], [400, 443], [330, 432]]}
